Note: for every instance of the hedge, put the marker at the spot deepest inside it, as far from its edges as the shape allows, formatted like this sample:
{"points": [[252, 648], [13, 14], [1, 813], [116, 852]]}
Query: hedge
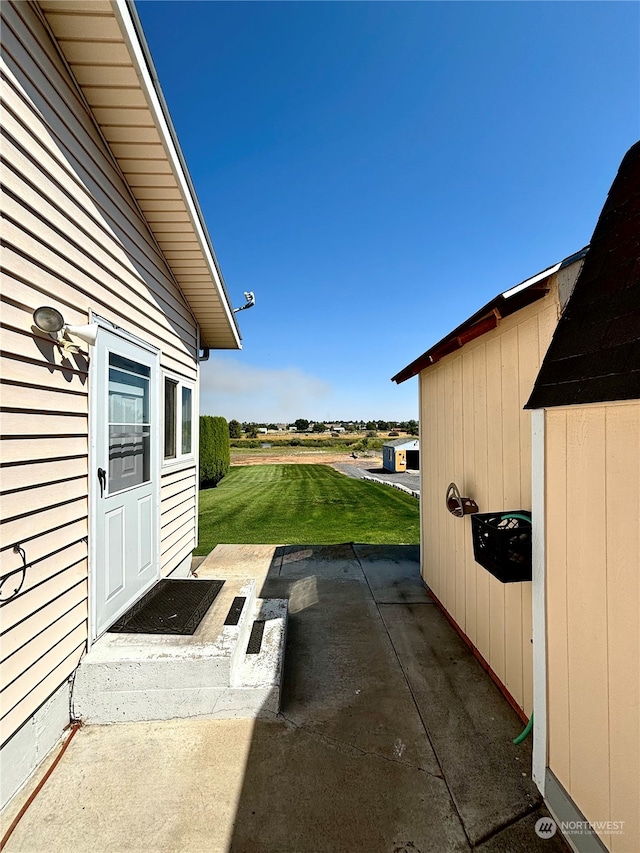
{"points": [[214, 450]]}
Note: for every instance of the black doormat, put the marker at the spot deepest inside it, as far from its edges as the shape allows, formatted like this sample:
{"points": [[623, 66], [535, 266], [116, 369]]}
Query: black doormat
{"points": [[170, 607]]}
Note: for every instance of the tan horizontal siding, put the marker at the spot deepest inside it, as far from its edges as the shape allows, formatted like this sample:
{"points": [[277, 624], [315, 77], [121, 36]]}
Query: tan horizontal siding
{"points": [[73, 238], [46, 602], [173, 556], [55, 202], [18, 655], [72, 135], [18, 369], [36, 695], [178, 516], [13, 478], [28, 344], [170, 515], [48, 554], [174, 502], [178, 481], [37, 523], [55, 447], [68, 265], [25, 279], [33, 398], [183, 529], [30, 502]]}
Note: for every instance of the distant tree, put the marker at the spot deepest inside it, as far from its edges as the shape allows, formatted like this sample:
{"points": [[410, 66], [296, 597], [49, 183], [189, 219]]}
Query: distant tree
{"points": [[319, 426], [372, 425], [302, 425], [235, 429], [272, 426], [412, 427], [251, 431], [383, 425]]}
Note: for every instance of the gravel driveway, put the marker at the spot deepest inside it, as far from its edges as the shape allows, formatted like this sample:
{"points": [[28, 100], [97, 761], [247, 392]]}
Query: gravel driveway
{"points": [[372, 468]]}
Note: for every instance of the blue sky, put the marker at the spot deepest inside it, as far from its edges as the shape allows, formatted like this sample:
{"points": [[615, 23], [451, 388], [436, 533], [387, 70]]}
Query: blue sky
{"points": [[376, 171]]}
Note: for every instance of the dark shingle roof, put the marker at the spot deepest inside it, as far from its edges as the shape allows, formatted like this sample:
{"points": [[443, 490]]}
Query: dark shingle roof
{"points": [[594, 356]]}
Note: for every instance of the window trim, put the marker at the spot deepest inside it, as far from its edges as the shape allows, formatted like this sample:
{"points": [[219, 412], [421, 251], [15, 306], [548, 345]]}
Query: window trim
{"points": [[180, 382]]}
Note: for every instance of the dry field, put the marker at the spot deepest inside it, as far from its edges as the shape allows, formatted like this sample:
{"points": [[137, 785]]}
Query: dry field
{"points": [[292, 455]]}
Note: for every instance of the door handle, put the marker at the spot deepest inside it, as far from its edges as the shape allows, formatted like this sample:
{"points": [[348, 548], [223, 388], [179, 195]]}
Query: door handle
{"points": [[102, 479]]}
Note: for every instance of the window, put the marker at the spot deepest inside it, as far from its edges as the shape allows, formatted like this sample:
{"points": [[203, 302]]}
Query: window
{"points": [[170, 390], [178, 419], [186, 420]]}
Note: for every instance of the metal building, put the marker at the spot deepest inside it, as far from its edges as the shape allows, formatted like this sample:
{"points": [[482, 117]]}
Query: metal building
{"points": [[401, 454]]}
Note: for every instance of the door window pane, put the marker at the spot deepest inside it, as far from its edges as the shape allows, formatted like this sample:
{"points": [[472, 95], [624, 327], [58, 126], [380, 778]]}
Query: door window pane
{"points": [[128, 398], [170, 415], [129, 456], [186, 420], [129, 425]]}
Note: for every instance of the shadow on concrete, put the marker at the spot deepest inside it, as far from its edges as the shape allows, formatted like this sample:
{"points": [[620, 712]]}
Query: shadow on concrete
{"points": [[391, 737]]}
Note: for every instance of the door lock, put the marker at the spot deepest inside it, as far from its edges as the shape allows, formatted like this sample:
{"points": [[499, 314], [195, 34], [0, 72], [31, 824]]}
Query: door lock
{"points": [[102, 479]]}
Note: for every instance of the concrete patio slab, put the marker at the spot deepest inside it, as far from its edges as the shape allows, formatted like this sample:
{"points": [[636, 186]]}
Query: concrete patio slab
{"points": [[390, 740], [391, 573], [468, 721]]}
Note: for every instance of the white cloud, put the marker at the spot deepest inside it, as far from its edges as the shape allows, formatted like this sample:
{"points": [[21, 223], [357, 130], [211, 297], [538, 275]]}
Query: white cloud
{"points": [[247, 393]]}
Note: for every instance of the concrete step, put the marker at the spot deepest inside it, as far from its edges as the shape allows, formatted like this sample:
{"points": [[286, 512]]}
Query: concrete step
{"points": [[256, 678], [127, 677]]}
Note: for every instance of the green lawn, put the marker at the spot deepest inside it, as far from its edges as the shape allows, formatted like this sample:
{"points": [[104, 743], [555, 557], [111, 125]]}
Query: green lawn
{"points": [[304, 504]]}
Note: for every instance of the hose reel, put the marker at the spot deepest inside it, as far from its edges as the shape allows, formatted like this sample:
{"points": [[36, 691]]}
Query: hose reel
{"points": [[457, 505]]}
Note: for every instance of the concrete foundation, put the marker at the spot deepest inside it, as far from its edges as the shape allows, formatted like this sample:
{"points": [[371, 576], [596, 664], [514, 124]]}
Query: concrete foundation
{"points": [[30, 745]]}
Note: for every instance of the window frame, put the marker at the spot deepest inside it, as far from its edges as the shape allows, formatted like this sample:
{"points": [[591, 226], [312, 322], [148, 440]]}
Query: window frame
{"points": [[179, 383]]}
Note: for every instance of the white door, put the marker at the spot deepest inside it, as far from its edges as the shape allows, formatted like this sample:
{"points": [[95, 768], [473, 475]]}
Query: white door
{"points": [[125, 473]]}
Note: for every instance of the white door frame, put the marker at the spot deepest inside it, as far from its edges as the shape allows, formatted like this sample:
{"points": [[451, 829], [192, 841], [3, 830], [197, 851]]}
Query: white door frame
{"points": [[94, 500]]}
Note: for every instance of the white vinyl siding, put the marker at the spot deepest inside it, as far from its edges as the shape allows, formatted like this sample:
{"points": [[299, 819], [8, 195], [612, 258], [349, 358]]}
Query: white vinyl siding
{"points": [[73, 238]]}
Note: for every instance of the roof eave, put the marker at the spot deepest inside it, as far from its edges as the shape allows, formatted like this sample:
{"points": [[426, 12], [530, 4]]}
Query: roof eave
{"points": [[487, 318], [155, 171]]}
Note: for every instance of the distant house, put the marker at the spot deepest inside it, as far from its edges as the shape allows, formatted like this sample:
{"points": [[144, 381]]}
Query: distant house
{"points": [[100, 224], [564, 344], [401, 454]]}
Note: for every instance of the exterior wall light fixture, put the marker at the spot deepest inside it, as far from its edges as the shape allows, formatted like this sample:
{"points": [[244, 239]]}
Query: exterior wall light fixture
{"points": [[51, 321]]}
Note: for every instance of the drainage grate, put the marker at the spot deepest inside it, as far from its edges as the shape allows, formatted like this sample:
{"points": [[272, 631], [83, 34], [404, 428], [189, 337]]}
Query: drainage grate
{"points": [[255, 640], [235, 611]]}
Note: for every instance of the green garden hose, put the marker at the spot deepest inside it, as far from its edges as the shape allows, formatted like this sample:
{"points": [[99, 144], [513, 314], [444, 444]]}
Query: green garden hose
{"points": [[508, 515], [527, 731]]}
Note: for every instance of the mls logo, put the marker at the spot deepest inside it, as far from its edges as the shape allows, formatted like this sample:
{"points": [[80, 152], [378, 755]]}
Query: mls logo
{"points": [[546, 827]]}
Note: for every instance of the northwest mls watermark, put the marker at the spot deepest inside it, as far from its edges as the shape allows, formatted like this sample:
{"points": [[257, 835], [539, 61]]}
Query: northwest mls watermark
{"points": [[546, 827]]}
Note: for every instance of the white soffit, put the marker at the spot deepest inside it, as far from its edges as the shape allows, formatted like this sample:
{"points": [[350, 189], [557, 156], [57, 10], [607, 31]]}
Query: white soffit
{"points": [[108, 58]]}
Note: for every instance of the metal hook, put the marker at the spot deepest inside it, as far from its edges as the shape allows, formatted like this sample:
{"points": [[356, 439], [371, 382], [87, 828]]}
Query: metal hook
{"points": [[17, 549]]}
